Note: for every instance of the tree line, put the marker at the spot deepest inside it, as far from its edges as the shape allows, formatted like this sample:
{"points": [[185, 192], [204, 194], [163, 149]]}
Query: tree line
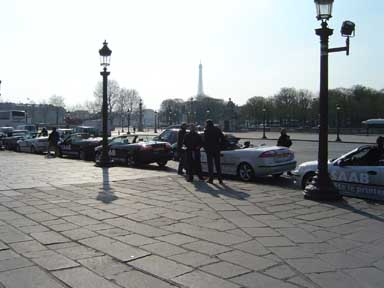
{"points": [[290, 107]]}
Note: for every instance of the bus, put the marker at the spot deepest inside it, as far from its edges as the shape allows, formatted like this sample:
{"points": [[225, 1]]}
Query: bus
{"points": [[12, 118], [376, 125]]}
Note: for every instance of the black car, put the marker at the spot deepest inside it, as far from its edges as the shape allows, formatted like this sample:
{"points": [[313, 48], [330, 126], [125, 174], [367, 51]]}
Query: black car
{"points": [[79, 145], [168, 135], [134, 150], [10, 141]]}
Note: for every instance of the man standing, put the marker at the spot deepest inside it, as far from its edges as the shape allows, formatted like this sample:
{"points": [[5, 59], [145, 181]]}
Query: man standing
{"points": [[180, 151], [193, 142], [284, 140], [213, 141], [53, 138]]}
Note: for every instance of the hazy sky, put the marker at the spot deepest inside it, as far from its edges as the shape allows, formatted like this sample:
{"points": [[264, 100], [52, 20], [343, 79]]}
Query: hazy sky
{"points": [[247, 47]]}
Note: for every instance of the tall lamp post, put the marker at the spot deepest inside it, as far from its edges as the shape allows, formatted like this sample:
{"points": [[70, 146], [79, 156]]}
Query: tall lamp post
{"points": [[208, 112], [129, 120], [155, 130], [322, 188], [105, 58], [140, 116], [264, 114], [338, 109]]}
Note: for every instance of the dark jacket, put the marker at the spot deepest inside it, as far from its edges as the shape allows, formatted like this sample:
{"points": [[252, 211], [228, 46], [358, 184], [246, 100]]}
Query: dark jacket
{"points": [[180, 139], [54, 137], [284, 140], [193, 141], [214, 139]]}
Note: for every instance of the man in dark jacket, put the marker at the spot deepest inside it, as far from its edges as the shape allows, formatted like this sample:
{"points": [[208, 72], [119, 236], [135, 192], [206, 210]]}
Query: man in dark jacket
{"points": [[180, 151], [213, 141], [53, 138], [284, 140], [193, 142]]}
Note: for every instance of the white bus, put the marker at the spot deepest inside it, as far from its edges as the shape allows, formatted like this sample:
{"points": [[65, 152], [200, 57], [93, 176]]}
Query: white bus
{"points": [[12, 118]]}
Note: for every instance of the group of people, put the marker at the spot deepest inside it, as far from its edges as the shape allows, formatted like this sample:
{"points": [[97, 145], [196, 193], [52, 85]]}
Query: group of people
{"points": [[189, 144]]}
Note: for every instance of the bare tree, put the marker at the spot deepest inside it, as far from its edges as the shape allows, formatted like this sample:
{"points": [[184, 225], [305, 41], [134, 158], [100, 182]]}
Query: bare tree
{"points": [[113, 91]]}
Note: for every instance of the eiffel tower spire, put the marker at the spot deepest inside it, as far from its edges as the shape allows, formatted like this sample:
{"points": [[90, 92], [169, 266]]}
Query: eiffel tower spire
{"points": [[200, 91]]}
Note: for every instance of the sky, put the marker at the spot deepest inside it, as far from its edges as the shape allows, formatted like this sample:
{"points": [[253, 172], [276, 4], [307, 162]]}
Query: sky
{"points": [[247, 47]]}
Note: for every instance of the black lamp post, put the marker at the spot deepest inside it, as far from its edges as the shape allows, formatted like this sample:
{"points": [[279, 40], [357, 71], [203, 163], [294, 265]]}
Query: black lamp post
{"points": [[140, 116], [155, 129], [322, 188], [129, 121], [105, 58], [338, 109], [264, 114], [208, 112], [0, 87]]}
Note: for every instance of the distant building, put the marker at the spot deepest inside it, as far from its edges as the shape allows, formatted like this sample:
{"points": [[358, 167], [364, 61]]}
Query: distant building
{"points": [[38, 113]]}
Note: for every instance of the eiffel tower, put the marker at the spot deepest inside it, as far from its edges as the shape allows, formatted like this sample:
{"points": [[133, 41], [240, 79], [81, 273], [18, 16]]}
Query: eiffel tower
{"points": [[200, 91]]}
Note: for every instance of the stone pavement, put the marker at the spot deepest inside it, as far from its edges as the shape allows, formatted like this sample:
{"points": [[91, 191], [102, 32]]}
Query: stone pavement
{"points": [[80, 226]]}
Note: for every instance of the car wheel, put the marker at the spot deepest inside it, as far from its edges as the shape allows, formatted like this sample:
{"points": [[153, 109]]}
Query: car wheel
{"points": [[82, 155], [130, 161], [162, 163], [33, 150], [307, 179], [245, 172], [18, 149]]}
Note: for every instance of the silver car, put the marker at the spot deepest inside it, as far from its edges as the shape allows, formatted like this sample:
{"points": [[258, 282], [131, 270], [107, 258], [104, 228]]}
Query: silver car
{"points": [[32, 144]]}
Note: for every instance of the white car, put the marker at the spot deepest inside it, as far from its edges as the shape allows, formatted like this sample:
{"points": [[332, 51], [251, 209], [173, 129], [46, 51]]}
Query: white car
{"points": [[32, 144], [350, 173], [248, 163]]}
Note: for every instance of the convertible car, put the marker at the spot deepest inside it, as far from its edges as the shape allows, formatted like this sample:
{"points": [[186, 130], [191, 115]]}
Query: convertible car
{"points": [[134, 150], [79, 145], [353, 174], [250, 162], [32, 144]]}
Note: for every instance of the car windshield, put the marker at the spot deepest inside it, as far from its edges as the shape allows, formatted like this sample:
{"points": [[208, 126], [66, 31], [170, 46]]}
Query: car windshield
{"points": [[122, 140]]}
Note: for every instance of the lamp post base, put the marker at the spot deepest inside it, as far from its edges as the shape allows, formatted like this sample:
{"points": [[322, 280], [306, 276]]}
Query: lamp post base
{"points": [[338, 139], [328, 192], [264, 137]]}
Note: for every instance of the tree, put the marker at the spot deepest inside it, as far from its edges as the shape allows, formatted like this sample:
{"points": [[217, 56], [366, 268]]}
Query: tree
{"points": [[113, 91], [57, 101]]}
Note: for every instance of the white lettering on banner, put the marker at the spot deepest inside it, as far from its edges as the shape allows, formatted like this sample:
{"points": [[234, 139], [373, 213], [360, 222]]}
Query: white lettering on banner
{"points": [[353, 177], [372, 192]]}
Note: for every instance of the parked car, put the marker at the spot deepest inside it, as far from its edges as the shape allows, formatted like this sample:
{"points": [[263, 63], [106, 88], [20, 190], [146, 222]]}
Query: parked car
{"points": [[134, 150], [30, 128], [92, 131], [79, 145], [33, 144], [168, 135], [10, 142], [351, 175], [248, 163]]}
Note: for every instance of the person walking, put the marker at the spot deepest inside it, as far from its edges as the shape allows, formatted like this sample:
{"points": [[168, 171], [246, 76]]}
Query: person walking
{"points": [[180, 151], [44, 132], [53, 138], [284, 139], [213, 141], [193, 143]]}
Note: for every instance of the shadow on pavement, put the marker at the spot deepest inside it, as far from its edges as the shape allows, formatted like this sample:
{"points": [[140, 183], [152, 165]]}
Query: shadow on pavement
{"points": [[343, 204], [220, 189], [106, 194]]}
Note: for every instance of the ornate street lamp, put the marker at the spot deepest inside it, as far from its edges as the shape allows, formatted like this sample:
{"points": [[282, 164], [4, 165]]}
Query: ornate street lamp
{"points": [[155, 129], [208, 112], [0, 87], [105, 58], [264, 114], [129, 120], [322, 188], [140, 116], [338, 109]]}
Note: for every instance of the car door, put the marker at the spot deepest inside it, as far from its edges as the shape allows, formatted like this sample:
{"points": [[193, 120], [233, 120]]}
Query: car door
{"points": [[356, 178]]}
